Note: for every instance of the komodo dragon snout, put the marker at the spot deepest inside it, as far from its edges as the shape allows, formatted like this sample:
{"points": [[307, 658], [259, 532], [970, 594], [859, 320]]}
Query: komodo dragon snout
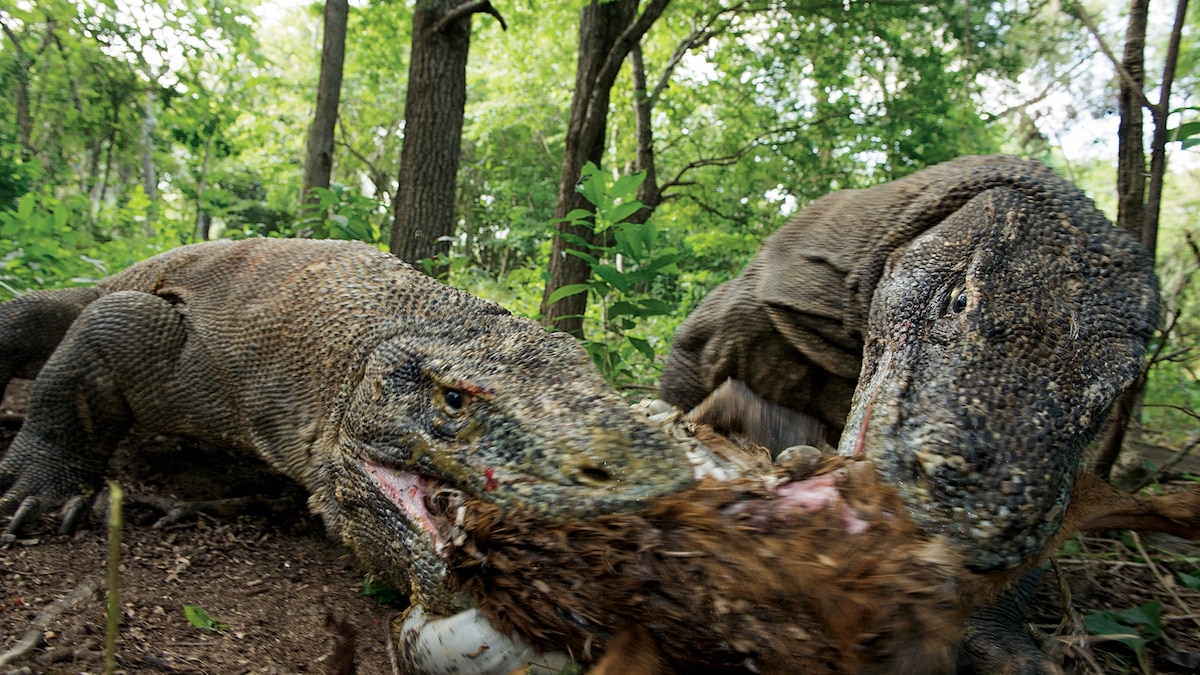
{"points": [[419, 425]]}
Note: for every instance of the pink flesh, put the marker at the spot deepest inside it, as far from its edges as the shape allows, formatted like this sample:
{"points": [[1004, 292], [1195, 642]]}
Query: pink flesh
{"points": [[814, 494], [407, 492], [862, 432]]}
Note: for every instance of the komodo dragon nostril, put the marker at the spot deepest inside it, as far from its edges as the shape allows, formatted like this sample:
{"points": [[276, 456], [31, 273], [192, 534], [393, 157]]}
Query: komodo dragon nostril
{"points": [[592, 474]]}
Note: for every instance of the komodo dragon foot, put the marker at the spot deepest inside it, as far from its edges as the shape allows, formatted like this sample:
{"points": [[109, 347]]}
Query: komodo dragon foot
{"points": [[80, 405]]}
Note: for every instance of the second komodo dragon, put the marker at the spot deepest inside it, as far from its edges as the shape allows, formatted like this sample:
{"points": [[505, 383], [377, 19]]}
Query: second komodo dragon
{"points": [[343, 368], [982, 311]]}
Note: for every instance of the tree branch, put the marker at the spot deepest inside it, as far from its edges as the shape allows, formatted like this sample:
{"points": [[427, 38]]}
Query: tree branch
{"points": [[697, 38], [1121, 71], [624, 43], [467, 9]]}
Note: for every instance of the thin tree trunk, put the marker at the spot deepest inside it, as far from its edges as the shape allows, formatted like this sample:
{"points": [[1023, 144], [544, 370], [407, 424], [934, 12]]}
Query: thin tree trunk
{"points": [[1131, 158], [607, 33], [203, 220], [423, 217], [318, 164], [643, 105], [149, 169], [1158, 141]]}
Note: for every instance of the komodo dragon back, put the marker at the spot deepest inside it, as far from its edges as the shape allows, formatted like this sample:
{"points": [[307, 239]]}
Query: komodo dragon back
{"points": [[351, 373], [984, 313]]}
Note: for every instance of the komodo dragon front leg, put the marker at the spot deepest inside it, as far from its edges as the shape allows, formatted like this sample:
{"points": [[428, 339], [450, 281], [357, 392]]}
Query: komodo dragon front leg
{"points": [[32, 325], [126, 357]]}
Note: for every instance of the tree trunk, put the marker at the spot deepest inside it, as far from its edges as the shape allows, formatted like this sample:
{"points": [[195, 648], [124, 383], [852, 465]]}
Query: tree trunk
{"points": [[433, 118], [149, 169], [318, 163], [1158, 141], [649, 193], [607, 33], [1131, 158], [203, 218]]}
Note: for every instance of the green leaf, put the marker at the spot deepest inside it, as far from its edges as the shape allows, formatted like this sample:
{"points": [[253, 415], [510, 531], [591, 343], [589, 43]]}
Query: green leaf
{"points": [[612, 276], [622, 211], [381, 593], [566, 291], [663, 261], [623, 308], [626, 186], [642, 346], [591, 184], [576, 240], [1190, 581], [1185, 131], [586, 257], [1132, 627], [200, 619], [577, 216], [652, 307]]}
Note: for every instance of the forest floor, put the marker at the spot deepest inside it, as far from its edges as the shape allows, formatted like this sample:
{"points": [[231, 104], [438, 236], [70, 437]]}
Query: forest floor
{"points": [[274, 580]]}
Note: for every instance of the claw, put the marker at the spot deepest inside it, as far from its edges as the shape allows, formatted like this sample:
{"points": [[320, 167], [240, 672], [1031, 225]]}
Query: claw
{"points": [[27, 512], [73, 512]]}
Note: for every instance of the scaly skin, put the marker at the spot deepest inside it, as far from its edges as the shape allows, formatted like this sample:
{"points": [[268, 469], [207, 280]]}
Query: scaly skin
{"points": [[996, 315], [349, 372]]}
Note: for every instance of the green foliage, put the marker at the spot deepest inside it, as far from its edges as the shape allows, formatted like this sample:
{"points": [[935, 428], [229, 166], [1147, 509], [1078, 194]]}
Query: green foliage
{"points": [[384, 595], [46, 242], [41, 245], [1132, 627], [198, 617], [341, 213], [1189, 581], [624, 271]]}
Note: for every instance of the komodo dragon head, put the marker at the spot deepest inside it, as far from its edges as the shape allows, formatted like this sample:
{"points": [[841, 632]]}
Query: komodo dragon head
{"points": [[997, 340], [494, 406]]}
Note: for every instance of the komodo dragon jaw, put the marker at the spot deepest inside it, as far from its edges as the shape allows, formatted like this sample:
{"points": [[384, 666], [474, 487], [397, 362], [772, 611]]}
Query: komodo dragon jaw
{"points": [[981, 384], [418, 424]]}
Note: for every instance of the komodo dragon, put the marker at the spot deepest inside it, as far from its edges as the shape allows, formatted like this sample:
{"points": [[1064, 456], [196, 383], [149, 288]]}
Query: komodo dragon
{"points": [[987, 312], [343, 368]]}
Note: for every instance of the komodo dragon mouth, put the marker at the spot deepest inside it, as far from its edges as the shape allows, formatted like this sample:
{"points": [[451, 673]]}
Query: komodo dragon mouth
{"points": [[408, 492]]}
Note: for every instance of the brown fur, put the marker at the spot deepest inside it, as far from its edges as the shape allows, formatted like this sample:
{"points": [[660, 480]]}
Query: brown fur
{"points": [[691, 584], [717, 587]]}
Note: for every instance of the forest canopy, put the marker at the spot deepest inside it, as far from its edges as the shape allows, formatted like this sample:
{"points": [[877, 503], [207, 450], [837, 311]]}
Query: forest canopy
{"points": [[131, 126]]}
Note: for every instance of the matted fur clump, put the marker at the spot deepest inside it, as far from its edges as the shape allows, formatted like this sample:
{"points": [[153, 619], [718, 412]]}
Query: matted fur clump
{"points": [[819, 571]]}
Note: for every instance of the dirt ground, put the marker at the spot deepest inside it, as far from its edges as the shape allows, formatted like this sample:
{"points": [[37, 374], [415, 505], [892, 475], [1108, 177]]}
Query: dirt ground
{"points": [[273, 579]]}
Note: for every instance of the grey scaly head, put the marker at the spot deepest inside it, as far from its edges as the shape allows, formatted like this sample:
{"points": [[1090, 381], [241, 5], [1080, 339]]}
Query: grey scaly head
{"points": [[494, 406]]}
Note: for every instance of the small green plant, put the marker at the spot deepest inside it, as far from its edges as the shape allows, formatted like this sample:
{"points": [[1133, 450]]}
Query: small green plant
{"points": [[624, 271], [1189, 581], [1132, 627], [381, 593], [198, 617], [340, 213]]}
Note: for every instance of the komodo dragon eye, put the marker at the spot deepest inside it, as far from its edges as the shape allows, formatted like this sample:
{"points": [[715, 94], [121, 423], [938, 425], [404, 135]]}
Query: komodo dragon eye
{"points": [[958, 301], [455, 399]]}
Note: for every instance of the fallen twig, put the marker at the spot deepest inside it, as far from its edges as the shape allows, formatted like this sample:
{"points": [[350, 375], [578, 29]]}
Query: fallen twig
{"points": [[33, 636], [1163, 581]]}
